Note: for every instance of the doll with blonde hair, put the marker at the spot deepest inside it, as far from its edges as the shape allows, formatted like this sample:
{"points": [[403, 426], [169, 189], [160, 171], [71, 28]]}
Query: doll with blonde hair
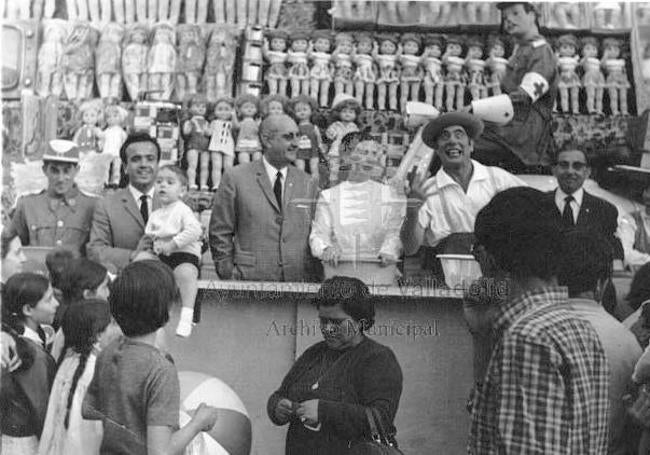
{"points": [[365, 74], [191, 56], [342, 57], [476, 68], [248, 140], [134, 61], [593, 79], [274, 51], [616, 82], [569, 82], [297, 58], [455, 79], [114, 137], [274, 105], [387, 56], [344, 117], [496, 63], [222, 144], [433, 81], [411, 73], [321, 71], [161, 62], [89, 137]]}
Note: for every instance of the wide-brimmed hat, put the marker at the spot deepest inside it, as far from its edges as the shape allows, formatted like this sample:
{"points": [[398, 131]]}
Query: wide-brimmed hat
{"points": [[473, 126], [61, 151]]}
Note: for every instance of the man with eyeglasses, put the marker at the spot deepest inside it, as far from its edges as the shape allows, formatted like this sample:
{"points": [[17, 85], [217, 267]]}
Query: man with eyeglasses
{"points": [[574, 207], [60, 215], [262, 213]]}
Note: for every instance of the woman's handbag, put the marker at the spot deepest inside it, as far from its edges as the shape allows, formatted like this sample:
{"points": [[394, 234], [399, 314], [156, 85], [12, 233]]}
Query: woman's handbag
{"points": [[381, 443]]}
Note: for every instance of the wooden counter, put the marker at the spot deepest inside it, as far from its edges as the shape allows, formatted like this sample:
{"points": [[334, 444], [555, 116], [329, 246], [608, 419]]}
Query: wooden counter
{"points": [[251, 333]]}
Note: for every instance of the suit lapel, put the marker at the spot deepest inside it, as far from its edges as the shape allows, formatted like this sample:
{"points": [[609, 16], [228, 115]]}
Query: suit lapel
{"points": [[263, 182], [131, 207]]}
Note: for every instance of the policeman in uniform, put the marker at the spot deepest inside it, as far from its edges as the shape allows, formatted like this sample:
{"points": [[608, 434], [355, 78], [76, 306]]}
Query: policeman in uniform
{"points": [[61, 215], [518, 135]]}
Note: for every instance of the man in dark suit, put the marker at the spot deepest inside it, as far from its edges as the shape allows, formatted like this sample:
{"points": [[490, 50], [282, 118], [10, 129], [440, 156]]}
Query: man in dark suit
{"points": [[262, 213], [574, 207], [117, 232]]}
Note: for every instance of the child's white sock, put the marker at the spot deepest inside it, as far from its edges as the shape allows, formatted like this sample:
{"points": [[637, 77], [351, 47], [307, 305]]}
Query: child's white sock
{"points": [[184, 328]]}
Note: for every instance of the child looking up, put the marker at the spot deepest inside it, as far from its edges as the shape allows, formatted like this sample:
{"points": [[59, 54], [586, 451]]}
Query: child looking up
{"points": [[27, 302], [87, 327], [176, 233], [138, 423]]}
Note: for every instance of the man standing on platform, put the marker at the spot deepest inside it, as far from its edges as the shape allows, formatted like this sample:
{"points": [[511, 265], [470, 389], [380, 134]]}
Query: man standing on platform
{"points": [[529, 85], [262, 213], [546, 386], [60, 215], [448, 203], [117, 235]]}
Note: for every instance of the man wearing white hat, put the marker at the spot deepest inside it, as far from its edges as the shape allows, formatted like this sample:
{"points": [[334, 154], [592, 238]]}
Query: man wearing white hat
{"points": [[448, 203], [59, 216], [518, 136]]}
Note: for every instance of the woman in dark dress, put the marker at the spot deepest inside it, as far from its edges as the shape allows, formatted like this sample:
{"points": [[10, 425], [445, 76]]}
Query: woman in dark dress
{"points": [[325, 394]]}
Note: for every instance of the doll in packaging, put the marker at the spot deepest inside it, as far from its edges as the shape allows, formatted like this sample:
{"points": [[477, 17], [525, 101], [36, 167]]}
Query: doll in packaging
{"points": [[476, 68], [191, 56], [297, 58], [196, 131], [345, 114], [433, 81], [114, 137], [134, 61], [342, 56], [321, 70], [222, 144], [274, 105], [220, 62], [569, 82], [496, 63], [455, 78], [593, 79], [309, 144], [89, 137], [616, 82], [365, 74], [248, 142], [108, 62], [161, 62], [50, 74], [411, 73], [387, 56], [78, 62], [274, 51]]}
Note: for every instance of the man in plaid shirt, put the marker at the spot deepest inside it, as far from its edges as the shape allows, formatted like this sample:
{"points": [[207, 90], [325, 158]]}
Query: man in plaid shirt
{"points": [[546, 386]]}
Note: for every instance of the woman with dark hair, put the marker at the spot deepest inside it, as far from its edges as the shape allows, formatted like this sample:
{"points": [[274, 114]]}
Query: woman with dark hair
{"points": [[13, 259], [356, 228], [325, 395], [27, 302]]}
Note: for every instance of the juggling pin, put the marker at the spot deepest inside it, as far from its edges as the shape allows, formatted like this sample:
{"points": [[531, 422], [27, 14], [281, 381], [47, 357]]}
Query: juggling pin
{"points": [[82, 10], [93, 9], [274, 12], [174, 11], [202, 12]]}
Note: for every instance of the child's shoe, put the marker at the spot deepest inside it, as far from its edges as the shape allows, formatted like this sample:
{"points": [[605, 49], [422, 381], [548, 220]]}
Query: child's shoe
{"points": [[184, 328]]}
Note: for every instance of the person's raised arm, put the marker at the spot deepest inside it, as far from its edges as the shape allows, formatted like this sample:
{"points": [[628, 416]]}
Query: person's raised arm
{"points": [[162, 441]]}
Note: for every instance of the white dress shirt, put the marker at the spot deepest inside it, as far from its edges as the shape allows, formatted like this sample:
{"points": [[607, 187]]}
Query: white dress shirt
{"points": [[136, 195], [451, 210], [576, 203], [272, 172]]}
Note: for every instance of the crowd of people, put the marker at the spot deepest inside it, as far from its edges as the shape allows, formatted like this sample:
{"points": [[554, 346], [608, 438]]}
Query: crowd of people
{"points": [[85, 369]]}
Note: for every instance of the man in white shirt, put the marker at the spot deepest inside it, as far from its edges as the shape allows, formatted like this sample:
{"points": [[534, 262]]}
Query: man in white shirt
{"points": [[117, 232], [635, 233], [448, 203]]}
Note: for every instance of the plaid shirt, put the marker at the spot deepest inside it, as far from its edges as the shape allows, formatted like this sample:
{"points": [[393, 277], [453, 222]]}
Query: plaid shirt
{"points": [[545, 391]]}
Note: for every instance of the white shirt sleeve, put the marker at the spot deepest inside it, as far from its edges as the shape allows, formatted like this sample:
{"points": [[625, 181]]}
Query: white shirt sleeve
{"points": [[321, 226]]}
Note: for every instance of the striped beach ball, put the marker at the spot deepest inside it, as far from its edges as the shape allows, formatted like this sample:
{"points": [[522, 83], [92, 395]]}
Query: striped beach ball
{"points": [[231, 435]]}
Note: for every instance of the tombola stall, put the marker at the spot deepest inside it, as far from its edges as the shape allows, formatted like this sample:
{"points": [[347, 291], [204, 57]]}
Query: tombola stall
{"points": [[93, 70]]}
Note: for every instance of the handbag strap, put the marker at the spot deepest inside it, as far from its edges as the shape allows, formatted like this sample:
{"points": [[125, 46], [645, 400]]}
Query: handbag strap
{"points": [[377, 429], [374, 432]]}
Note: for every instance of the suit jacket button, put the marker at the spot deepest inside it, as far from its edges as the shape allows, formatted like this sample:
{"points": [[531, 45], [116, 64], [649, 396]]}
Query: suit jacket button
{"points": [[279, 263]]}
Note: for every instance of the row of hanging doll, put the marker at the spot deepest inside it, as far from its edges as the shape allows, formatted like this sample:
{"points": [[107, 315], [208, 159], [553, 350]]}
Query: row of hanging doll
{"points": [[373, 67], [167, 62], [218, 134]]}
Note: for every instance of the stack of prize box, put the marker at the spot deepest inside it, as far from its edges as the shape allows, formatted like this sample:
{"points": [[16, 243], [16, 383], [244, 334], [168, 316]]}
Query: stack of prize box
{"points": [[252, 62]]}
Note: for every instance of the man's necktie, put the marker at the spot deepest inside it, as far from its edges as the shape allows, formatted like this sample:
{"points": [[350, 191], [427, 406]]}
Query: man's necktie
{"points": [[277, 189], [144, 208], [567, 214]]}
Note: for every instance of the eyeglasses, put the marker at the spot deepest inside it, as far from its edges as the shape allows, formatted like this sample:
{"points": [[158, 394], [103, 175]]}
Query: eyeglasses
{"points": [[289, 136], [577, 165]]}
